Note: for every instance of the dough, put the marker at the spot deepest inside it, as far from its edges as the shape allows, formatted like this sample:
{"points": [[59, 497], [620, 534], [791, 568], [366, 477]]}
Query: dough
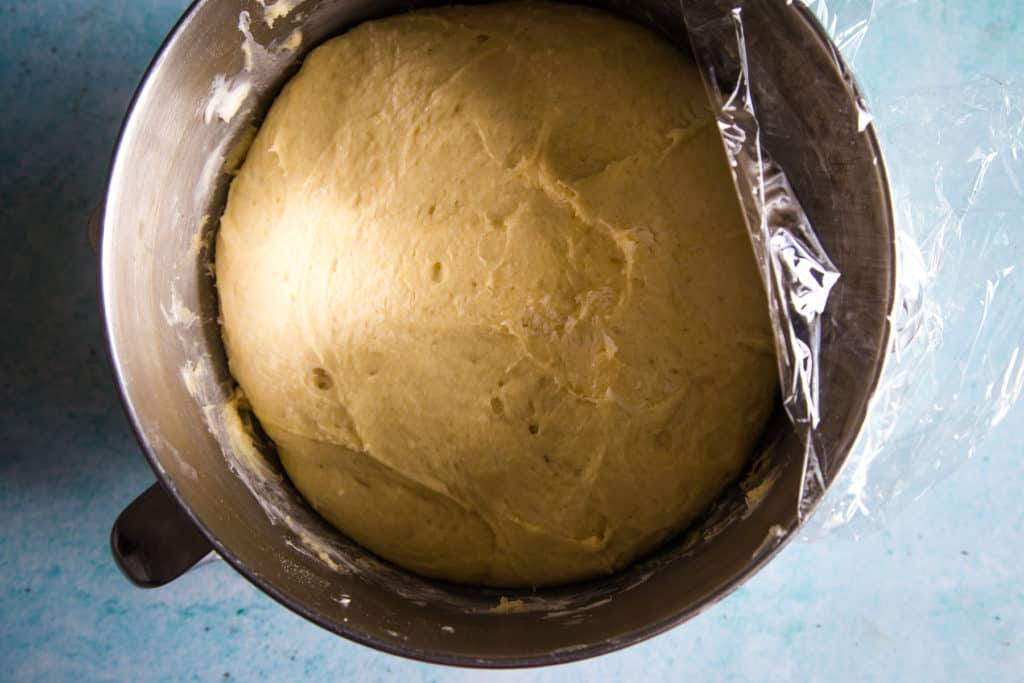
{"points": [[485, 282]]}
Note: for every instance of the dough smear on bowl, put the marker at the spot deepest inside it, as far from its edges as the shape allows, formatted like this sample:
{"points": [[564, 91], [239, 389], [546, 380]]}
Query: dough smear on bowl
{"points": [[486, 284]]}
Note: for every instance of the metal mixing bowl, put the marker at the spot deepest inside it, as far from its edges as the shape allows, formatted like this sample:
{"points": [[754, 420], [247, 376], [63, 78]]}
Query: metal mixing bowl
{"points": [[166, 183]]}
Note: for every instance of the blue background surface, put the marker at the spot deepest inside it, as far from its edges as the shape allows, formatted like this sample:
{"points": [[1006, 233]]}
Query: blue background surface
{"points": [[938, 594]]}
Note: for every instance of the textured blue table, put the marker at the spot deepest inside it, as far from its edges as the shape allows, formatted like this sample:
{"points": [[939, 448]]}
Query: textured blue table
{"points": [[937, 595]]}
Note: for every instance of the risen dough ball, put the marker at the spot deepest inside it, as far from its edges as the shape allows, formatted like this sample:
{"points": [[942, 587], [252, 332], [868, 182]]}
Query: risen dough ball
{"points": [[485, 282]]}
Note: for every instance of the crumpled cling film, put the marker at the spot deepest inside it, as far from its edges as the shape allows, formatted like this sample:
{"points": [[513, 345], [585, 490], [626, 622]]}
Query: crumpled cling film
{"points": [[797, 273], [955, 364]]}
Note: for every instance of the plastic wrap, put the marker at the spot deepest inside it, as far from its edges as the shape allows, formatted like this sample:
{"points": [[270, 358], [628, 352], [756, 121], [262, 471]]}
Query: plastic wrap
{"points": [[955, 369], [952, 367]]}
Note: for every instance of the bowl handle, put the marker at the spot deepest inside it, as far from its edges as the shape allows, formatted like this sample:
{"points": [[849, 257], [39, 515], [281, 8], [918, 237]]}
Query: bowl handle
{"points": [[154, 541], [95, 228]]}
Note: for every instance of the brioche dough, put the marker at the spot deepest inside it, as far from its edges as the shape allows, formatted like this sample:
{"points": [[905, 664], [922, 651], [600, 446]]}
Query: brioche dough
{"points": [[485, 282]]}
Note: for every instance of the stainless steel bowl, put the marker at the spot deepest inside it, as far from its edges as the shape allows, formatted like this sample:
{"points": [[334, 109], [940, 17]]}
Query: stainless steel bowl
{"points": [[167, 185]]}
